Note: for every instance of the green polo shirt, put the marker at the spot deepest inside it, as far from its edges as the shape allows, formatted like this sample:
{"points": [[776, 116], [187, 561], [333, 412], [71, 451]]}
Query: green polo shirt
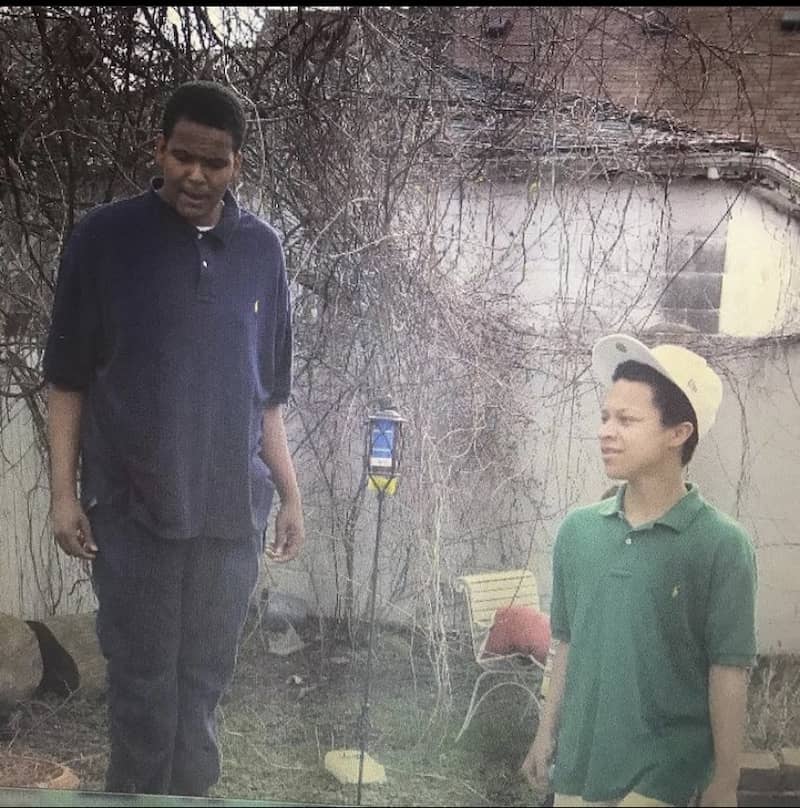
{"points": [[646, 611]]}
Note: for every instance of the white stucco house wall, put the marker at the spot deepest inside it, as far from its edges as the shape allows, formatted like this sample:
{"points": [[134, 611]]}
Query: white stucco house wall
{"points": [[669, 235]]}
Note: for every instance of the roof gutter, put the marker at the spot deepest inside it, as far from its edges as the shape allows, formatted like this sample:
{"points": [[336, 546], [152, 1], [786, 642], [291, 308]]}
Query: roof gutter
{"points": [[765, 166]]}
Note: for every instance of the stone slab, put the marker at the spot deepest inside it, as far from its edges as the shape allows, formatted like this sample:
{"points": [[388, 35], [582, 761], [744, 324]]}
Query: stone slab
{"points": [[21, 666], [790, 768], [343, 764], [767, 799], [760, 771], [71, 654]]}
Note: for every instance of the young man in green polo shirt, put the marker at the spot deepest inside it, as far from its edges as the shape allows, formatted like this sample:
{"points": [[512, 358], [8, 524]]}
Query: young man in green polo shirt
{"points": [[653, 605]]}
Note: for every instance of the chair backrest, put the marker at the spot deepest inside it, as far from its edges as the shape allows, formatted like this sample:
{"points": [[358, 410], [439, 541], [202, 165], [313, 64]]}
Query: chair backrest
{"points": [[488, 591]]}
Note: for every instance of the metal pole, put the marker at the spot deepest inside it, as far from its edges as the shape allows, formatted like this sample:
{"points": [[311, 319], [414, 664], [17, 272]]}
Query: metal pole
{"points": [[365, 706]]}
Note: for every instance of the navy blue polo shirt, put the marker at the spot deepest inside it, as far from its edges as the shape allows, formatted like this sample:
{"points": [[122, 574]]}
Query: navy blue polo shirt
{"points": [[179, 340]]}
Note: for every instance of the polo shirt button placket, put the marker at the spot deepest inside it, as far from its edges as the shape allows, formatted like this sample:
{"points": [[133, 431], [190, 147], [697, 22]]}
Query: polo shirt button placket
{"points": [[205, 282]]}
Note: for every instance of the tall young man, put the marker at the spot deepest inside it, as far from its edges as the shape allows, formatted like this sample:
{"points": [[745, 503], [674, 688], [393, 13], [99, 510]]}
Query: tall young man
{"points": [[168, 362], [653, 605]]}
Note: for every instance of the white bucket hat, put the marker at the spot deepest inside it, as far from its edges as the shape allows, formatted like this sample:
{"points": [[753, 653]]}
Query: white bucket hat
{"points": [[689, 371]]}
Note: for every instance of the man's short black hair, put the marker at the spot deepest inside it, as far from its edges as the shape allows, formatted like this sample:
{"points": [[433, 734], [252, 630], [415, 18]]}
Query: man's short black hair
{"points": [[668, 399], [208, 103]]}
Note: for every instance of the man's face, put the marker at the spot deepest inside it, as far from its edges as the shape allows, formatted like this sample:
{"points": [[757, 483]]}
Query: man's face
{"points": [[198, 163], [633, 441]]}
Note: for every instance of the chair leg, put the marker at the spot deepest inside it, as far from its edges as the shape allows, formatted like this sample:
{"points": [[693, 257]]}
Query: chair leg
{"points": [[473, 705], [534, 699]]}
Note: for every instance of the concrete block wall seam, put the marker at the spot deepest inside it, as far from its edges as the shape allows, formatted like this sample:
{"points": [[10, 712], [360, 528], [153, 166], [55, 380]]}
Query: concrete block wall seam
{"points": [[706, 321], [709, 258], [694, 290]]}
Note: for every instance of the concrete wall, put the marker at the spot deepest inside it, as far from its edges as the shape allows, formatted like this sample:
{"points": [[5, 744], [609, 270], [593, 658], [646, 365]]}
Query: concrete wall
{"points": [[598, 255], [588, 260], [35, 578], [712, 255], [584, 259], [706, 254], [761, 288], [748, 465]]}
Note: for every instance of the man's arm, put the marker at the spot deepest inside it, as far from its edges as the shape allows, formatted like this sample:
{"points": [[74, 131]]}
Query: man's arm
{"points": [[727, 701], [289, 529], [537, 761], [70, 524]]}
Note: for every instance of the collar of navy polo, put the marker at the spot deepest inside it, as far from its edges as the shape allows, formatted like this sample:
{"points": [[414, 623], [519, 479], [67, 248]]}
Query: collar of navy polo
{"points": [[223, 229]]}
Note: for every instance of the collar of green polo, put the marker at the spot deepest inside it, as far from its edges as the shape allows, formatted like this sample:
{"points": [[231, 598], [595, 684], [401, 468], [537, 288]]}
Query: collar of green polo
{"points": [[678, 517]]}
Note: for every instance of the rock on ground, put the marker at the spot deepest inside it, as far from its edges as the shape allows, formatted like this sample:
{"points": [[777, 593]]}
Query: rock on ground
{"points": [[71, 654], [21, 665]]}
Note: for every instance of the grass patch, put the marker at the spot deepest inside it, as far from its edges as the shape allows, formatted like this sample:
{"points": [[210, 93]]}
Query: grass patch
{"points": [[275, 746], [283, 714]]}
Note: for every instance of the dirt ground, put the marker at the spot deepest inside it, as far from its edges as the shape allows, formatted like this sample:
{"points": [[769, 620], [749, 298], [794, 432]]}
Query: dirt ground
{"points": [[284, 713]]}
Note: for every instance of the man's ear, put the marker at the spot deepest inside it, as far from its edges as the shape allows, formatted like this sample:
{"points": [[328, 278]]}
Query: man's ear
{"points": [[681, 433], [237, 165]]}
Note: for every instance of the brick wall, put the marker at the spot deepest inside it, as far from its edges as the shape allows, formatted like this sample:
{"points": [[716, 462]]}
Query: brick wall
{"points": [[726, 69]]}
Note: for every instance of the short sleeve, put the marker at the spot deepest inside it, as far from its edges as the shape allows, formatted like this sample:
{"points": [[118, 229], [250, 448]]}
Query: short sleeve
{"points": [[730, 624], [71, 351], [281, 386], [559, 611]]}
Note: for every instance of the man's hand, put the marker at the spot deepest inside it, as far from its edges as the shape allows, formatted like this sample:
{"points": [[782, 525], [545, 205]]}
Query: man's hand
{"points": [[720, 792], [289, 533], [72, 529], [536, 765]]}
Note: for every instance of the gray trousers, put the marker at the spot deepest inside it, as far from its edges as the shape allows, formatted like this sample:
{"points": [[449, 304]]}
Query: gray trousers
{"points": [[170, 618]]}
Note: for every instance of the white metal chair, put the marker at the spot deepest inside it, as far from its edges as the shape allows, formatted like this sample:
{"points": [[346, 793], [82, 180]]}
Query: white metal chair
{"points": [[485, 593]]}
